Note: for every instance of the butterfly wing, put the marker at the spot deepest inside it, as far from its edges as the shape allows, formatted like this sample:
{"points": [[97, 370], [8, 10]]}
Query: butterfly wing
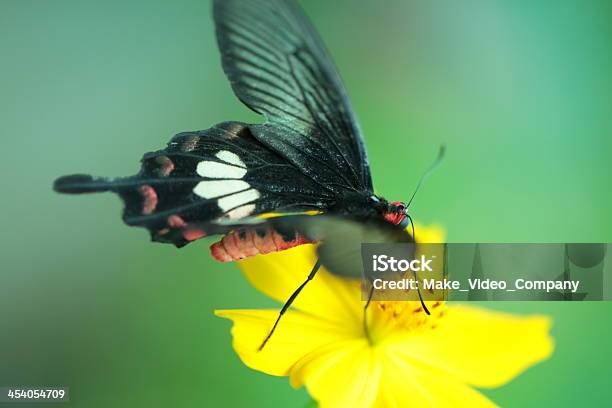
{"points": [[222, 173], [279, 67], [308, 152]]}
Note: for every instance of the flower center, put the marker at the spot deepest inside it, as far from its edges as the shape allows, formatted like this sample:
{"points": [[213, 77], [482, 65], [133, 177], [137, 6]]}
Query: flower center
{"points": [[391, 317]]}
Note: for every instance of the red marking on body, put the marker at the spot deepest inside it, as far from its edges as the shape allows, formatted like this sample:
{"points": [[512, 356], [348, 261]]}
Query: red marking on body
{"points": [[264, 244], [166, 165], [396, 218], [174, 221], [149, 197], [218, 252], [243, 244], [248, 243], [278, 240], [232, 246]]}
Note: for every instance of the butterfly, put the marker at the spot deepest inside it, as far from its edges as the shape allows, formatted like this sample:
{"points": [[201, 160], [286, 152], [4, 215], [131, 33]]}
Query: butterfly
{"points": [[302, 176]]}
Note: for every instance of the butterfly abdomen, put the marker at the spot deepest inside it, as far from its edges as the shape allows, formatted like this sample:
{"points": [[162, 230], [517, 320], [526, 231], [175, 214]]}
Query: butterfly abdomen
{"points": [[250, 242]]}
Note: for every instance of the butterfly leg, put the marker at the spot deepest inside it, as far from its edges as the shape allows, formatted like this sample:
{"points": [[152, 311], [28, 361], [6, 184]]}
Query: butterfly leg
{"points": [[413, 272], [423, 305], [412, 225], [366, 331], [289, 301]]}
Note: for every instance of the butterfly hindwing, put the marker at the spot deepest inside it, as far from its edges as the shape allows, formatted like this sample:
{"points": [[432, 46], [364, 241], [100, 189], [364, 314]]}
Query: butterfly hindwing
{"points": [[278, 66], [222, 173]]}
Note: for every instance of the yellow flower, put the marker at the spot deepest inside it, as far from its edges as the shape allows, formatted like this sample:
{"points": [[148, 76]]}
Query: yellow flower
{"points": [[410, 359]]}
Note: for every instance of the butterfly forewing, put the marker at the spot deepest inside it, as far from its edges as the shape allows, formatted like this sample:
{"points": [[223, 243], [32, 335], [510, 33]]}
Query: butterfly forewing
{"points": [[279, 67]]}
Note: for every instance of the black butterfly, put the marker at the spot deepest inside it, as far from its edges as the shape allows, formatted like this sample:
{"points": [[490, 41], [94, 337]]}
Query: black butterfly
{"points": [[309, 155]]}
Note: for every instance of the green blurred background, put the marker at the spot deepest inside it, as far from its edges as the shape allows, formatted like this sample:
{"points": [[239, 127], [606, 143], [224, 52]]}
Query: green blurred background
{"points": [[519, 91]]}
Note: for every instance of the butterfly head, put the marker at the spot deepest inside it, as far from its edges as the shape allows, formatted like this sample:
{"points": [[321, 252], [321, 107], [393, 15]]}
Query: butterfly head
{"points": [[397, 214]]}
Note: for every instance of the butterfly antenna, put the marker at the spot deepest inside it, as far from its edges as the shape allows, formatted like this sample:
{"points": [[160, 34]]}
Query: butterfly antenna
{"points": [[430, 170], [288, 303], [424, 177]]}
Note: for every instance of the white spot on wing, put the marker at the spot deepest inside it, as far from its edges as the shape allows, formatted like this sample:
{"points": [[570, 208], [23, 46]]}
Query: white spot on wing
{"points": [[212, 169], [217, 188], [241, 212], [237, 200], [230, 158]]}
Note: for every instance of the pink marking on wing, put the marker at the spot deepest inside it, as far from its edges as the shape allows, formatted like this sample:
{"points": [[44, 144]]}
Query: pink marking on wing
{"points": [[166, 165], [191, 234], [190, 144], [163, 231], [233, 130], [149, 197], [174, 221]]}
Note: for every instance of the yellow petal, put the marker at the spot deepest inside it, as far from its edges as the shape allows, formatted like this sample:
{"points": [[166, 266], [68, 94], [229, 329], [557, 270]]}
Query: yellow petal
{"points": [[296, 336], [327, 296], [333, 298], [433, 234], [476, 346], [408, 385], [341, 374]]}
